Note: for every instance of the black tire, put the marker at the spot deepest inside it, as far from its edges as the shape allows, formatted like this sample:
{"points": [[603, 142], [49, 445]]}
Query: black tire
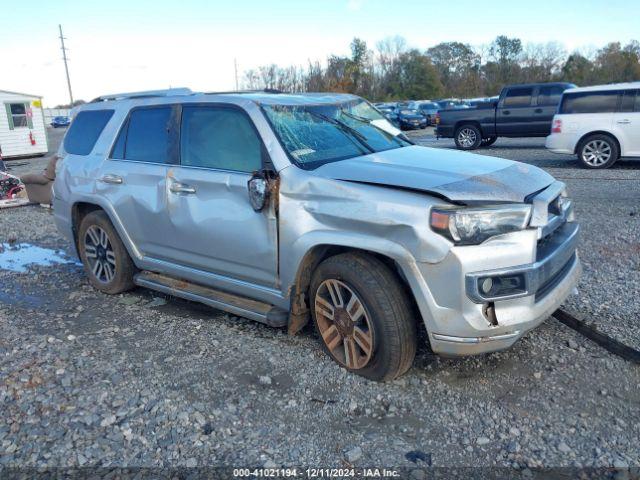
{"points": [[113, 256], [387, 315], [467, 137], [486, 142], [593, 149]]}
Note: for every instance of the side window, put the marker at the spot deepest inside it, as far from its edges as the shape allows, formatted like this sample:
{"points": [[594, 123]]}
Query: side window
{"points": [[118, 148], [518, 97], [629, 101], [85, 131], [147, 135], [590, 102], [550, 95], [18, 115], [219, 138]]}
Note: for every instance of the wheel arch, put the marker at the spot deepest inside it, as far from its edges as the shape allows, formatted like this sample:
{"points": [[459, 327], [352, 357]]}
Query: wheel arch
{"points": [[461, 123], [598, 132], [316, 254], [82, 207]]}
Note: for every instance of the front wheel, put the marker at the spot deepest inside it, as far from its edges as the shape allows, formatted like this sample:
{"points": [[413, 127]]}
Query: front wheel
{"points": [[363, 316], [598, 151], [468, 137]]}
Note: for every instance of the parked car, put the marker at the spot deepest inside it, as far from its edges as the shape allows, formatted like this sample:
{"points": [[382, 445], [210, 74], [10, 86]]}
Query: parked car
{"points": [[294, 208], [428, 110], [389, 111], [521, 111], [60, 122], [410, 119], [598, 124]]}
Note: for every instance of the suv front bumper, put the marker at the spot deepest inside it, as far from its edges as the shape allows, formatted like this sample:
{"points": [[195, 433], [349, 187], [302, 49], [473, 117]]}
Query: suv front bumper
{"points": [[456, 312]]}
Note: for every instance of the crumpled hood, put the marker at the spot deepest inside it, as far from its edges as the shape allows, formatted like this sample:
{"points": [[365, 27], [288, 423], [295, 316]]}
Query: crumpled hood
{"points": [[457, 176]]}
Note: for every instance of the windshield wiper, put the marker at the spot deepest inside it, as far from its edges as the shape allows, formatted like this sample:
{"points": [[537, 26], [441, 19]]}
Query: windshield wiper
{"points": [[343, 126]]}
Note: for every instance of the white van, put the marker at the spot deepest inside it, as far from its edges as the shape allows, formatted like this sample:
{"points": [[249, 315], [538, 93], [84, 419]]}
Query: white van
{"points": [[599, 124]]}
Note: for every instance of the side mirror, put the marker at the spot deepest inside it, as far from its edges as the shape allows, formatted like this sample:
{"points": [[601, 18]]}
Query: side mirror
{"points": [[258, 186]]}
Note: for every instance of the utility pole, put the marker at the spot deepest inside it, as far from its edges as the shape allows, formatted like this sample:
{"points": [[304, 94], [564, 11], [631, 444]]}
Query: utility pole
{"points": [[235, 67], [66, 68]]}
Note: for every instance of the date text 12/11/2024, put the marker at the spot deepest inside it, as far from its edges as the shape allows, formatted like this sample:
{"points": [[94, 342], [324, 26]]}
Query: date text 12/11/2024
{"points": [[316, 473]]}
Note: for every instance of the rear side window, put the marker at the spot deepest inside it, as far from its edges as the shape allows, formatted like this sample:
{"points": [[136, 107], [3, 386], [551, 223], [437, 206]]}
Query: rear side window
{"points": [[630, 101], [590, 102], [518, 97], [219, 138], [550, 95], [147, 136], [85, 130]]}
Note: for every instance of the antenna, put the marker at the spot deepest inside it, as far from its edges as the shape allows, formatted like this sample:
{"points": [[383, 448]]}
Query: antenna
{"points": [[235, 67], [66, 68]]}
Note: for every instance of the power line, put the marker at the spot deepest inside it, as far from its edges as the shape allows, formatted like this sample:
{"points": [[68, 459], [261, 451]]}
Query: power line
{"points": [[66, 68]]}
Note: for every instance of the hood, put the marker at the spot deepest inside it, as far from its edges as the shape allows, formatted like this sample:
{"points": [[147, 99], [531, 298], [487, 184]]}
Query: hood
{"points": [[457, 176]]}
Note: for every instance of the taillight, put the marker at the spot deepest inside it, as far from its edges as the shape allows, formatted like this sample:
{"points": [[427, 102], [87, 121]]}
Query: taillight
{"points": [[437, 118], [557, 126]]}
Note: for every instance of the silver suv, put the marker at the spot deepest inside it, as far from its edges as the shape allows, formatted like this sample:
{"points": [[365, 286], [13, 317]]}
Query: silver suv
{"points": [[285, 208]]}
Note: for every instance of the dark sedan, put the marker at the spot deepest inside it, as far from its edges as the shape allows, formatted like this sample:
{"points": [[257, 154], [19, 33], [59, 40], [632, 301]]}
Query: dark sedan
{"points": [[410, 119]]}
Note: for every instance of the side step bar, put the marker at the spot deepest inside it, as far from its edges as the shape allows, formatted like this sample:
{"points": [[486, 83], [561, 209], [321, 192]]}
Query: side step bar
{"points": [[243, 307]]}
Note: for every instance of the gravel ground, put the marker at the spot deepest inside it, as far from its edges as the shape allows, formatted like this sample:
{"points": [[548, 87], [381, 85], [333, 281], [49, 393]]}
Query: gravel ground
{"points": [[140, 379], [607, 204]]}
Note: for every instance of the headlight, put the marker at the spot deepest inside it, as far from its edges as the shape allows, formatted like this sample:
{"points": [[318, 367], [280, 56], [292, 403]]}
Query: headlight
{"points": [[471, 226]]}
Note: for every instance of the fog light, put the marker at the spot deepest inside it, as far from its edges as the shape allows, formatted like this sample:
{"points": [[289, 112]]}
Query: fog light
{"points": [[502, 286], [487, 284]]}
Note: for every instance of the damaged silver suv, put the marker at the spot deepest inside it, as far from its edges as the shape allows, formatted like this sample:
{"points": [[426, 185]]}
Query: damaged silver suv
{"points": [[288, 208]]}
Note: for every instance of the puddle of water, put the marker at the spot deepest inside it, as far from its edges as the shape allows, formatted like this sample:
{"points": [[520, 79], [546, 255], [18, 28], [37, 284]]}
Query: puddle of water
{"points": [[18, 257]]}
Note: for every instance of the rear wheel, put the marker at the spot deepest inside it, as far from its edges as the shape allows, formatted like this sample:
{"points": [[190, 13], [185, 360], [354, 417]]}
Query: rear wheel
{"points": [[598, 151], [105, 258], [363, 316], [468, 137], [488, 141]]}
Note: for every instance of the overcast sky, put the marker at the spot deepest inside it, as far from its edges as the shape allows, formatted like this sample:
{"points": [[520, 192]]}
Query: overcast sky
{"points": [[129, 45]]}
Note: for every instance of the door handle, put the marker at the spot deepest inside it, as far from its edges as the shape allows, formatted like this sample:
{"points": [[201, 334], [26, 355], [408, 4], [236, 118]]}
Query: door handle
{"points": [[538, 110], [625, 121], [111, 178], [506, 112], [177, 187]]}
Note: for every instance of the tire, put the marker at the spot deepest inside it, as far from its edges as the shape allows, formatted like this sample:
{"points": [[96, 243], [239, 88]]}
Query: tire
{"points": [[99, 243], [486, 142], [383, 339], [467, 137], [598, 151]]}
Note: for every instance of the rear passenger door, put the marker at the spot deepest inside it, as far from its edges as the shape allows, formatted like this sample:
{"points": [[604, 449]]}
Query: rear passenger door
{"points": [[546, 105], [215, 229], [514, 116], [626, 122], [133, 180]]}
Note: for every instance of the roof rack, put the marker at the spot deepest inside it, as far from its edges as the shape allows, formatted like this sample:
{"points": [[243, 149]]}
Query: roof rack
{"points": [[145, 94], [235, 92]]}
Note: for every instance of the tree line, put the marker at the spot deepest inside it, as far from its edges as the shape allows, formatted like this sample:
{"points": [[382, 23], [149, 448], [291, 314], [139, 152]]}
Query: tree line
{"points": [[394, 71]]}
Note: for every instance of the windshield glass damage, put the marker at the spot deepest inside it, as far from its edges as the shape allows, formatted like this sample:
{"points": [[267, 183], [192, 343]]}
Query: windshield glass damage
{"points": [[314, 135]]}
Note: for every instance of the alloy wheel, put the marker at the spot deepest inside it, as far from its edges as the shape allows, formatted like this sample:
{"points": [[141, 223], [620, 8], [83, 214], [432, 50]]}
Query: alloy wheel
{"points": [[596, 153], [467, 137], [99, 254], [344, 324]]}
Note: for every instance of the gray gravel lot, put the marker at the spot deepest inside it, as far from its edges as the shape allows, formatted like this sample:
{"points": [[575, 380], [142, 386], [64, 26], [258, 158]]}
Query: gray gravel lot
{"points": [[607, 204], [144, 380]]}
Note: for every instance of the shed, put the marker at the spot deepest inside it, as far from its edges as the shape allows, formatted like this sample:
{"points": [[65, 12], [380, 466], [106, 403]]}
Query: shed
{"points": [[22, 129]]}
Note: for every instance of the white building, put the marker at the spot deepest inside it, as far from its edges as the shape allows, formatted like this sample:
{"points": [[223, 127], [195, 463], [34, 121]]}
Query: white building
{"points": [[22, 129]]}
